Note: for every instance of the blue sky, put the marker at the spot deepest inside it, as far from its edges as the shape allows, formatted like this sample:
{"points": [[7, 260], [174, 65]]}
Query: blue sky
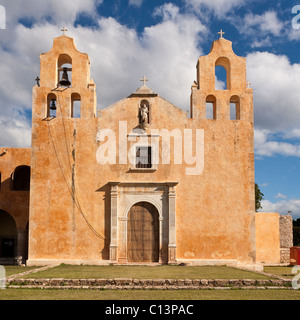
{"points": [[128, 38]]}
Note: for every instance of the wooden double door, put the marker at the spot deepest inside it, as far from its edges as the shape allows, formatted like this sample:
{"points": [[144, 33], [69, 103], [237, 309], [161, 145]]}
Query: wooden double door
{"points": [[143, 233]]}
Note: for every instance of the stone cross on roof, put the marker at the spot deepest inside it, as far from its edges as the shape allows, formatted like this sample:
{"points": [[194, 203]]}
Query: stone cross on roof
{"points": [[221, 34], [144, 89], [144, 80], [64, 30]]}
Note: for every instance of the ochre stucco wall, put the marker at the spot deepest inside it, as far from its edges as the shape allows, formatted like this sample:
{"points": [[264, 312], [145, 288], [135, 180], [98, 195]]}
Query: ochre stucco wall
{"points": [[267, 237]]}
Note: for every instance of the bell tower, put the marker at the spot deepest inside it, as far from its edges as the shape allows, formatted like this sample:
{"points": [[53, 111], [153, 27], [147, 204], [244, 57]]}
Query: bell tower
{"points": [[226, 115], [64, 123], [236, 92], [64, 80]]}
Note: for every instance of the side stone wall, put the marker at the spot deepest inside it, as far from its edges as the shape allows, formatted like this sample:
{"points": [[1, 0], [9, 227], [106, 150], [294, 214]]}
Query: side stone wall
{"points": [[286, 237]]}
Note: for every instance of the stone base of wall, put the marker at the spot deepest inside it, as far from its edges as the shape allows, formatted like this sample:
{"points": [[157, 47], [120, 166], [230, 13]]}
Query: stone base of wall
{"points": [[49, 262], [220, 262]]}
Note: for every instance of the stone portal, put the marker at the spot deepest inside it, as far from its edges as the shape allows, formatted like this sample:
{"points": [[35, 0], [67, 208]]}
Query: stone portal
{"points": [[154, 204]]}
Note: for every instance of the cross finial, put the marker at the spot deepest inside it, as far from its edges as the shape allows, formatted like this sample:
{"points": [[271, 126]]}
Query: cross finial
{"points": [[37, 81], [144, 80], [64, 30], [221, 34]]}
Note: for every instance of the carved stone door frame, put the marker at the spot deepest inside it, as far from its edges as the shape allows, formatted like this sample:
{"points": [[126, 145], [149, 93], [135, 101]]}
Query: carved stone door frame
{"points": [[123, 196]]}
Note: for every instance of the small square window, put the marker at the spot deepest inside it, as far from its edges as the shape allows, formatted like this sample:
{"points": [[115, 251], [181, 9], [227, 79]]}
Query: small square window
{"points": [[143, 157]]}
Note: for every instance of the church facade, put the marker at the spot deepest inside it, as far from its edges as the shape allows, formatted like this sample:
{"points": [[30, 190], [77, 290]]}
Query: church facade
{"points": [[140, 181]]}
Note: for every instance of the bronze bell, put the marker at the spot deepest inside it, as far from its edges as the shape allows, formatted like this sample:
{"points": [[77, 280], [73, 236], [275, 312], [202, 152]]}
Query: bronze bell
{"points": [[53, 105], [64, 82]]}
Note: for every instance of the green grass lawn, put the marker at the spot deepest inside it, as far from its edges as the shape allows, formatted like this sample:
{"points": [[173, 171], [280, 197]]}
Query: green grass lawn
{"points": [[11, 270], [145, 272], [280, 271], [52, 294], [148, 272]]}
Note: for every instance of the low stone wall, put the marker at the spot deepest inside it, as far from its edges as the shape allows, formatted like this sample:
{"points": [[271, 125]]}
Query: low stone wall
{"points": [[172, 284]]}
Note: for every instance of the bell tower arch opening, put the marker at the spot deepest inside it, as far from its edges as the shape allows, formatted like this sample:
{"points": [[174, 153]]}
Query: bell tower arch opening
{"points": [[222, 72], [64, 71], [51, 105], [235, 112], [75, 105], [211, 107]]}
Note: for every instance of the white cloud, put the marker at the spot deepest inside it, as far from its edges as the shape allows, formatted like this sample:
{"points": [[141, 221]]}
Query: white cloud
{"points": [[261, 30], [268, 22], [19, 65], [136, 3], [219, 7], [292, 134], [15, 132], [280, 195], [168, 11], [265, 184], [57, 11], [265, 145], [293, 34], [266, 42], [276, 84], [282, 207]]}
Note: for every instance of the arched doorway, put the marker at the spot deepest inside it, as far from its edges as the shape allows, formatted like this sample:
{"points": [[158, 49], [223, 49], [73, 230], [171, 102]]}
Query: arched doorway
{"points": [[8, 238], [143, 233]]}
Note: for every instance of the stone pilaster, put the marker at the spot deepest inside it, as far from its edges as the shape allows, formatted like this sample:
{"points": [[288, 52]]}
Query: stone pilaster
{"points": [[172, 224], [122, 250], [113, 248], [160, 238]]}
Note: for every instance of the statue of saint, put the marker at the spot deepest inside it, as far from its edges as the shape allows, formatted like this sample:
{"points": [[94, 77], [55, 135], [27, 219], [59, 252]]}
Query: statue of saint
{"points": [[144, 115]]}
